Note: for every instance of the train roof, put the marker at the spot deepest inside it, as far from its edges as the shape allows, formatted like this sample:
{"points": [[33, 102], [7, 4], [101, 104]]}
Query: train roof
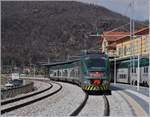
{"points": [[94, 55], [126, 63], [60, 63]]}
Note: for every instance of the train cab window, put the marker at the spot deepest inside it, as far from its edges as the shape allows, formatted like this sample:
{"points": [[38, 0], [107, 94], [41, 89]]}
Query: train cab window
{"points": [[96, 62]]}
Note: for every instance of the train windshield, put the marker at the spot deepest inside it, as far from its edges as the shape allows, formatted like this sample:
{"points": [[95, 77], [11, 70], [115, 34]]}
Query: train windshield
{"points": [[96, 62]]}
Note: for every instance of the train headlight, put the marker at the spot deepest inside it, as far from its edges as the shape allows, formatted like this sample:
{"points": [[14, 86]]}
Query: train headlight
{"points": [[105, 82], [87, 77], [86, 82]]}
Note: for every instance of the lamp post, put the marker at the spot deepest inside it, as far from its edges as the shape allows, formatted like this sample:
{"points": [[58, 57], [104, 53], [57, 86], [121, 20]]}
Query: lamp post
{"points": [[115, 69], [132, 36], [33, 69], [138, 68], [149, 53]]}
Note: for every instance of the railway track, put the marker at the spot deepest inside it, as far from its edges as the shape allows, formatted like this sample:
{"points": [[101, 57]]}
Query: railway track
{"points": [[82, 109], [83, 104], [29, 99]]}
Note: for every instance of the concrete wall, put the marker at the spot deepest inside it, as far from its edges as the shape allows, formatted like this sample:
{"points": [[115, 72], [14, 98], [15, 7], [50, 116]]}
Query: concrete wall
{"points": [[7, 93]]}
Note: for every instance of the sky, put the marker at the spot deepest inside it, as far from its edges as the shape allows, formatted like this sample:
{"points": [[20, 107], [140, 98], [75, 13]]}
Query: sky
{"points": [[141, 7]]}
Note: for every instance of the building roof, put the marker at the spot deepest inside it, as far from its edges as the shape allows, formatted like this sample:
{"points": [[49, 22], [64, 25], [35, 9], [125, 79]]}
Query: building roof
{"points": [[142, 31], [113, 36], [117, 36]]}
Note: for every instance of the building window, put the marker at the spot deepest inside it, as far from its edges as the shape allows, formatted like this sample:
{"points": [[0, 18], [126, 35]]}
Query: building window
{"points": [[125, 50], [120, 51], [105, 44]]}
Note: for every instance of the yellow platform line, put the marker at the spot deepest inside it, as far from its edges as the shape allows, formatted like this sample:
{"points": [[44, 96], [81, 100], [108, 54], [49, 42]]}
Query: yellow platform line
{"points": [[139, 111]]}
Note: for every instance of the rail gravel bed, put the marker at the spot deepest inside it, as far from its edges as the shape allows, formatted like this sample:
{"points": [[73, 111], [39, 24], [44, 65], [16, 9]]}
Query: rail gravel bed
{"points": [[61, 104], [118, 105], [97, 105], [18, 104], [40, 86]]}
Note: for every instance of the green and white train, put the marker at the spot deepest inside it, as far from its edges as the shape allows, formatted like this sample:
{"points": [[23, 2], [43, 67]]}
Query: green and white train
{"points": [[126, 73], [91, 72]]}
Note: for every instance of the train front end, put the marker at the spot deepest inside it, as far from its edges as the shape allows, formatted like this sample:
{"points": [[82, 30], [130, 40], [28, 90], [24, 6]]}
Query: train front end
{"points": [[96, 73]]}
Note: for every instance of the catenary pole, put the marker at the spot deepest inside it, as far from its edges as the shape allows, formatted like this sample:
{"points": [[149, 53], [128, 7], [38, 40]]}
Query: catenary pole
{"points": [[149, 54], [115, 70], [130, 44], [138, 68]]}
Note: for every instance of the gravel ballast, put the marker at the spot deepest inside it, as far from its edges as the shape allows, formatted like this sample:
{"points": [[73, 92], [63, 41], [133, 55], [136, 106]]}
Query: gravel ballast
{"points": [[94, 106], [118, 105]]}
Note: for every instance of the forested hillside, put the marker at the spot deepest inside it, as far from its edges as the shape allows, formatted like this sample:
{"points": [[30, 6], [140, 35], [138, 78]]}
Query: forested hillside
{"points": [[35, 31]]}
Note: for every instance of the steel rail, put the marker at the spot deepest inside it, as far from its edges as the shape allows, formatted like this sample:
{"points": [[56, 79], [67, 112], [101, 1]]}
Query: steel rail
{"points": [[80, 107], [107, 109]]}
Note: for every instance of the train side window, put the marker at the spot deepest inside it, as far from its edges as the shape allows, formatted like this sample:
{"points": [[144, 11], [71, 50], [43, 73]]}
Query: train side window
{"points": [[55, 74], [133, 70], [145, 69]]}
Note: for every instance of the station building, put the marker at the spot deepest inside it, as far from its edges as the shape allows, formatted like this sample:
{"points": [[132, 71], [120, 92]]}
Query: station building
{"points": [[124, 52], [119, 44]]}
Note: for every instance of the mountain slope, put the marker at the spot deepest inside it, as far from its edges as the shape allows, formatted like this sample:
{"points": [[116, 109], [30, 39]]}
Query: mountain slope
{"points": [[36, 31]]}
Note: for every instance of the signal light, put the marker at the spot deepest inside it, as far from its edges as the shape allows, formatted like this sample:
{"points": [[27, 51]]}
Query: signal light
{"points": [[97, 82]]}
